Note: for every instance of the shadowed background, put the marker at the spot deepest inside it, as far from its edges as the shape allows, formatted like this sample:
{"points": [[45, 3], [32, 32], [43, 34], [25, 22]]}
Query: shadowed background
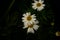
{"points": [[11, 22]]}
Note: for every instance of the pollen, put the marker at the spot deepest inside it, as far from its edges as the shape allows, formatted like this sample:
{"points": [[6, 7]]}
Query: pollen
{"points": [[29, 18], [38, 4]]}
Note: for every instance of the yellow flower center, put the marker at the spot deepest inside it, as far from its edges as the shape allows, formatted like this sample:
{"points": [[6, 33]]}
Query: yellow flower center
{"points": [[38, 4], [29, 18]]}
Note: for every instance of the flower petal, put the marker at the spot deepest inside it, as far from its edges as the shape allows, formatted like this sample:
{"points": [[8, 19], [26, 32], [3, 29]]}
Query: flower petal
{"points": [[35, 27], [35, 1], [33, 16], [23, 17], [33, 7], [30, 30], [41, 1], [36, 22], [24, 14], [24, 27], [43, 4], [40, 8]]}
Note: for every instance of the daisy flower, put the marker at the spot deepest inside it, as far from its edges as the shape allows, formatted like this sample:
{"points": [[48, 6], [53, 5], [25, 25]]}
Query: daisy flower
{"points": [[38, 5], [57, 33], [28, 18], [31, 27]]}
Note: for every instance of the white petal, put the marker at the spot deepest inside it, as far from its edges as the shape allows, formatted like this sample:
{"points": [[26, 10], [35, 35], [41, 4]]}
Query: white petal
{"points": [[39, 9], [24, 27], [35, 27], [23, 20], [25, 23], [29, 13], [23, 17], [36, 22], [28, 23], [43, 4], [24, 14], [35, 1], [31, 22], [34, 7], [33, 16], [41, 1], [30, 30]]}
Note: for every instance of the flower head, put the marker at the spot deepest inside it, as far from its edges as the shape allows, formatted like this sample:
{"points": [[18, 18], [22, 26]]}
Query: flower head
{"points": [[28, 18], [38, 5], [31, 27]]}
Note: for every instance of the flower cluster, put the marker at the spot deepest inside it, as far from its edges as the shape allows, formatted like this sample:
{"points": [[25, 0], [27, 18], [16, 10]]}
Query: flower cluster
{"points": [[29, 20]]}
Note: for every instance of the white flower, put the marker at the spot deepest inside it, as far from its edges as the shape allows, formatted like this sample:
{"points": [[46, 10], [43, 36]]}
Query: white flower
{"points": [[28, 18], [31, 27], [38, 5]]}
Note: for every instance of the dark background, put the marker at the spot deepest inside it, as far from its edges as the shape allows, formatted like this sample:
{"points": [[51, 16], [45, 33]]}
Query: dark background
{"points": [[11, 22]]}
